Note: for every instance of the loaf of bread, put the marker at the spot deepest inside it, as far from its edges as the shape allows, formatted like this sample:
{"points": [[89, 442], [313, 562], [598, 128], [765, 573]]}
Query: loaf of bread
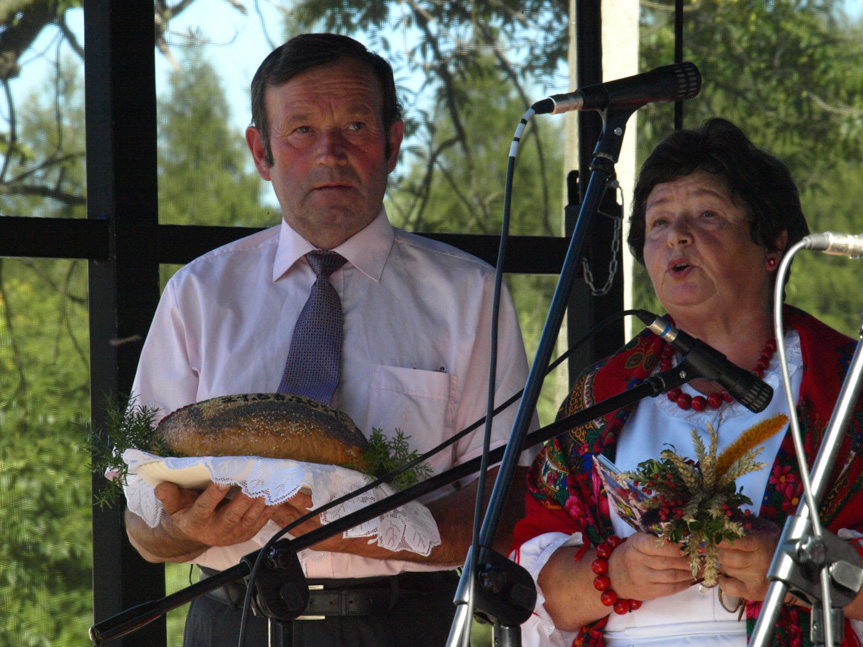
{"points": [[269, 425]]}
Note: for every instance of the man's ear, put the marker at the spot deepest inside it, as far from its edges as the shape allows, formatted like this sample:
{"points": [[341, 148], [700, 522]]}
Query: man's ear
{"points": [[397, 133], [259, 152]]}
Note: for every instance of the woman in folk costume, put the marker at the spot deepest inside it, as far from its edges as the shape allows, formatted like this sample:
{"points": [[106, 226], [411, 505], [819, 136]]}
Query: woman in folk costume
{"points": [[712, 216]]}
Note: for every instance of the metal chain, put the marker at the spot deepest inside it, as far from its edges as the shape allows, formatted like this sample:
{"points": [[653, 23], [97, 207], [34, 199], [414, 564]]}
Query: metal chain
{"points": [[615, 250]]}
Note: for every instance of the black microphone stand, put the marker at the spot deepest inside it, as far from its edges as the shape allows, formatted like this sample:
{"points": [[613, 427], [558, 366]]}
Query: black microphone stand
{"points": [[281, 590], [485, 562], [823, 571]]}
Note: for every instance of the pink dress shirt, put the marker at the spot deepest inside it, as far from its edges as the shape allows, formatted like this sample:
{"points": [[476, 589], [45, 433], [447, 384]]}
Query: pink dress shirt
{"points": [[417, 318]]}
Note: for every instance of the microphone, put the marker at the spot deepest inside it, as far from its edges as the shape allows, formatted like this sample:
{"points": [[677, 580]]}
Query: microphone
{"points": [[753, 393], [838, 244], [667, 83]]}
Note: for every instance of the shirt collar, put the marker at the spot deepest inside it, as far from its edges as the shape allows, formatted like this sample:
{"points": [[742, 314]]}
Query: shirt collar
{"points": [[367, 250]]}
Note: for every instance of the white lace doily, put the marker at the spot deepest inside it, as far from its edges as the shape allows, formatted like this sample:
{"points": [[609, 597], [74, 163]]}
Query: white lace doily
{"points": [[409, 527]]}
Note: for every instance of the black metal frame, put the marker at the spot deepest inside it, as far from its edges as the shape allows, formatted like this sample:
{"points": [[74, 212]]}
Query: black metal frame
{"points": [[122, 204], [586, 311], [178, 244], [125, 245]]}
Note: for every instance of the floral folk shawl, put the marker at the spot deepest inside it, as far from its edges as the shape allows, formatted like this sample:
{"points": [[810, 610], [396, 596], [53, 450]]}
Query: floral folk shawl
{"points": [[564, 494]]}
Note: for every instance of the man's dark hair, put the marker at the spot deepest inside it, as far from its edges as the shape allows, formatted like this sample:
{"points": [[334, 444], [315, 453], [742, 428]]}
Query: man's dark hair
{"points": [[754, 179], [307, 51]]}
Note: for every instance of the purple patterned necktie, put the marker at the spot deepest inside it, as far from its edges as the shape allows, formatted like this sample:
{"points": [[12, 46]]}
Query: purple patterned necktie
{"points": [[315, 357]]}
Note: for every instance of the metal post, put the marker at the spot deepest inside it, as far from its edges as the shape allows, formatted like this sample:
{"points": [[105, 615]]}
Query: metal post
{"points": [[124, 289]]}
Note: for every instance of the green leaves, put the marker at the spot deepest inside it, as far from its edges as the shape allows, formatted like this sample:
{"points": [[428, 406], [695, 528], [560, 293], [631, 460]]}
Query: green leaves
{"points": [[204, 174], [788, 73], [386, 455], [45, 529], [129, 426]]}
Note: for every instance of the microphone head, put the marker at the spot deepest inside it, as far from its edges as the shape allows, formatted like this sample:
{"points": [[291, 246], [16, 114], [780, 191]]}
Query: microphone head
{"points": [[688, 80], [757, 396]]}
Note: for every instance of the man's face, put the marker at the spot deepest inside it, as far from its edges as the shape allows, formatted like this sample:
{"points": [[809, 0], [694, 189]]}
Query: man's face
{"points": [[330, 162]]}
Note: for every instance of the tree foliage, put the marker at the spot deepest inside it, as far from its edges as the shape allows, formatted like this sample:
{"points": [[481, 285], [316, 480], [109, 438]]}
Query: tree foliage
{"points": [[204, 170], [45, 552], [39, 160], [45, 500], [435, 193]]}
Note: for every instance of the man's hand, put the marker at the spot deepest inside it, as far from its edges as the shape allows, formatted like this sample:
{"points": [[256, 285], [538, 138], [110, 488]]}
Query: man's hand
{"points": [[299, 505], [195, 521], [211, 518], [294, 508]]}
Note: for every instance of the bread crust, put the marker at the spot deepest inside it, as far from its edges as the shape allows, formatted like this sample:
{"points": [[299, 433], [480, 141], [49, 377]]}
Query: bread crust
{"points": [[269, 425]]}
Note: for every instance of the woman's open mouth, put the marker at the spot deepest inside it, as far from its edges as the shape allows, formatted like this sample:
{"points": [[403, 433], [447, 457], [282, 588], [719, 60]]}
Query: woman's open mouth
{"points": [[678, 267]]}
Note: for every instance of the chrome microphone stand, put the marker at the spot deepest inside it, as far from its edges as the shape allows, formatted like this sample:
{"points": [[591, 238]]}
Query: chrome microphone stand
{"points": [[482, 568], [812, 564]]}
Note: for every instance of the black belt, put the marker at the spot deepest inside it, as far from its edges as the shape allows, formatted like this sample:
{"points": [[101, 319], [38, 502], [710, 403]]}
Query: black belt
{"points": [[350, 597]]}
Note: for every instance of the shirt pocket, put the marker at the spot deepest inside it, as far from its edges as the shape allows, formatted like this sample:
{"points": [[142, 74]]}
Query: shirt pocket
{"points": [[417, 402]]}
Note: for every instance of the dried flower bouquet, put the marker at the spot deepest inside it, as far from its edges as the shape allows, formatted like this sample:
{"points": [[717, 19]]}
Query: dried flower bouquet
{"points": [[696, 502]]}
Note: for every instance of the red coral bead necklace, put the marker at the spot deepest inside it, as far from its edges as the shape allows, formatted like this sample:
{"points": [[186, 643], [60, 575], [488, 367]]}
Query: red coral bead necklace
{"points": [[718, 398]]}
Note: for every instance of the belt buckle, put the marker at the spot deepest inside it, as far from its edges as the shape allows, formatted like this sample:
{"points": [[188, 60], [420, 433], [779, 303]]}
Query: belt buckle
{"points": [[313, 587]]}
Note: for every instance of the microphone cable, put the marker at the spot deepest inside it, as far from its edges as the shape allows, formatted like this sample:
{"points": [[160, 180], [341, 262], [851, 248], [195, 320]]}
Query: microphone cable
{"points": [[478, 516]]}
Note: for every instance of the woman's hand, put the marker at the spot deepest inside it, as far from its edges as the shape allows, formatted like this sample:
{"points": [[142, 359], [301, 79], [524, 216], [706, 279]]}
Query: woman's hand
{"points": [[644, 568], [743, 563], [641, 568]]}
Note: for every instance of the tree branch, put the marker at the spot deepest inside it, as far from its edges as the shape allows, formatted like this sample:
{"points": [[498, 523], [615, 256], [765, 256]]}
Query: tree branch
{"points": [[13, 129], [510, 72], [70, 37], [19, 33], [7, 188], [422, 20], [425, 190]]}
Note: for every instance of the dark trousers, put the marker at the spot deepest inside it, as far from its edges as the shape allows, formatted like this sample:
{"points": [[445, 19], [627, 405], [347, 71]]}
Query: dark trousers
{"points": [[420, 616]]}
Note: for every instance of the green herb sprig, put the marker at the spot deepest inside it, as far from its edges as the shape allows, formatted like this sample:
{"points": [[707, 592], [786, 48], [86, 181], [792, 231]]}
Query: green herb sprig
{"points": [[385, 455], [128, 426]]}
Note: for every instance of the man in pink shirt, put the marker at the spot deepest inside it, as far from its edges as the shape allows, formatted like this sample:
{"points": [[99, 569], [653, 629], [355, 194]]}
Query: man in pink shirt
{"points": [[415, 356]]}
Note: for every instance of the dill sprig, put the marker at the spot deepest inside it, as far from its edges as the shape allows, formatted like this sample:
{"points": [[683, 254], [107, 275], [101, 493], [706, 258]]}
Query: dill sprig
{"points": [[128, 426], [385, 455]]}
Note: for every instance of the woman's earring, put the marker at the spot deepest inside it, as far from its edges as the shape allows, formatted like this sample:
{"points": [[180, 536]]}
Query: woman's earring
{"points": [[771, 261]]}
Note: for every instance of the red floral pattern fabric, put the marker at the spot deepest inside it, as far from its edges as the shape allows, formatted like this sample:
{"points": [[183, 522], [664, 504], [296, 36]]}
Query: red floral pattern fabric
{"points": [[565, 495]]}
